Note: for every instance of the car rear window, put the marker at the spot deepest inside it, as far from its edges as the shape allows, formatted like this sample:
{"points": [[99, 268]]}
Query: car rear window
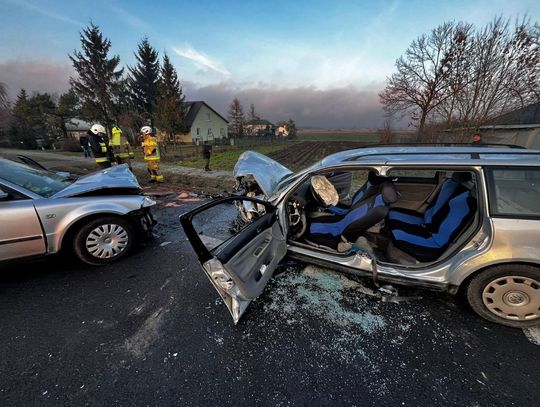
{"points": [[515, 191]]}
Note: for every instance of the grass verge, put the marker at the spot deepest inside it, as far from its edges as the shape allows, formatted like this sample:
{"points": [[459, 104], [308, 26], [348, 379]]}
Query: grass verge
{"points": [[226, 160]]}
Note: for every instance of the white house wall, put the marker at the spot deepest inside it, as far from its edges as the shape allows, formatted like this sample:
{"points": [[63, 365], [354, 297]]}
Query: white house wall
{"points": [[208, 126]]}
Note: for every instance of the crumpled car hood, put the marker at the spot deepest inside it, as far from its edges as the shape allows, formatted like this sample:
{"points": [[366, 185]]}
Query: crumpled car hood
{"points": [[267, 172], [115, 177]]}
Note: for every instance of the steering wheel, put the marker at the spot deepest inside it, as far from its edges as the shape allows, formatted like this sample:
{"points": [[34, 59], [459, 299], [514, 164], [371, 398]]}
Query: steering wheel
{"points": [[324, 191]]}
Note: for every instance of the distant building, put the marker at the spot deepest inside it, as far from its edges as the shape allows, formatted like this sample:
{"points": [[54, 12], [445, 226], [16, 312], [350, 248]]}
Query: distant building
{"points": [[259, 127], [520, 126], [77, 128], [202, 122]]}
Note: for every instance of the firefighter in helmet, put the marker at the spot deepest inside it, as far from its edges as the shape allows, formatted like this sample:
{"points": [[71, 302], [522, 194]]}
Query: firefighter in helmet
{"points": [[121, 148], [151, 153], [99, 143]]}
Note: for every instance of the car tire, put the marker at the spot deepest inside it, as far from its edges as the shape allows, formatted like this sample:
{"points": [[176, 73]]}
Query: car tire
{"points": [[508, 294], [103, 240]]}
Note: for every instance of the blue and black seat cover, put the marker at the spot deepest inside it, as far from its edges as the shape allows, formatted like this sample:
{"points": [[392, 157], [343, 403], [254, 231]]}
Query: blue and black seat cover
{"points": [[370, 187], [426, 241], [398, 216], [361, 216]]}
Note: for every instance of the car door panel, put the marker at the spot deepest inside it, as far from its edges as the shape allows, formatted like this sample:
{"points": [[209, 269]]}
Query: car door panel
{"points": [[254, 262], [21, 234], [241, 266]]}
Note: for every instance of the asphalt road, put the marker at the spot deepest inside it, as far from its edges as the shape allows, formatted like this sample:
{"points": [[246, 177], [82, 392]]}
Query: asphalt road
{"points": [[150, 330]]}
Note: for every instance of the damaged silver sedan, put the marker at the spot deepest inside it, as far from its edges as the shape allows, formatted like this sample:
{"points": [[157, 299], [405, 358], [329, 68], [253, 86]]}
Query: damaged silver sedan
{"points": [[454, 219], [98, 216]]}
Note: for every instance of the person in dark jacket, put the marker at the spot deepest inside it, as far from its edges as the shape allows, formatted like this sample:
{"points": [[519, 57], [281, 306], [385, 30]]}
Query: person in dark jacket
{"points": [[84, 144], [207, 153], [99, 143]]}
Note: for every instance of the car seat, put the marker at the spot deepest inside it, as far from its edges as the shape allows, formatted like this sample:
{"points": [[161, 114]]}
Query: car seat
{"points": [[369, 188], [329, 230], [398, 216], [427, 241]]}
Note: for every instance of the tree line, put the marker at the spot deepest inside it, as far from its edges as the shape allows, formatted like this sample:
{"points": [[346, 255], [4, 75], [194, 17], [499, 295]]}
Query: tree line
{"points": [[148, 93], [459, 76]]}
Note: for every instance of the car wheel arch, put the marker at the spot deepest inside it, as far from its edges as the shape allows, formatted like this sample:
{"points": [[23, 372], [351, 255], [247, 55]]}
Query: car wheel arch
{"points": [[76, 224], [462, 287]]}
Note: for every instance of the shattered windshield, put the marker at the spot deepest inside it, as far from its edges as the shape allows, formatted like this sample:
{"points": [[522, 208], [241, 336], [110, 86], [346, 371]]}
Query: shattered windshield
{"points": [[43, 183]]}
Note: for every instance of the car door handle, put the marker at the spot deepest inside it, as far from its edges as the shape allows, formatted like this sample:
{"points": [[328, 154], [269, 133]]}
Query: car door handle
{"points": [[259, 250]]}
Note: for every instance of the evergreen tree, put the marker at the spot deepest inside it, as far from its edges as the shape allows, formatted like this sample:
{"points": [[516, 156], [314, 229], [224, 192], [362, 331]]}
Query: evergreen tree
{"points": [[66, 109], [170, 102], [236, 118], [144, 79], [33, 125], [99, 82]]}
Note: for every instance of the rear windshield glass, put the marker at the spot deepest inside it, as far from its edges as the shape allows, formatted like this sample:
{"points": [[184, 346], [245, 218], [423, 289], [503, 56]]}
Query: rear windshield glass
{"points": [[43, 183], [515, 191]]}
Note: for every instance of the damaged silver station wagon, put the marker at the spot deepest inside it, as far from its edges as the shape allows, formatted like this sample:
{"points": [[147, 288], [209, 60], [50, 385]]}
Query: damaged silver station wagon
{"points": [[453, 219]]}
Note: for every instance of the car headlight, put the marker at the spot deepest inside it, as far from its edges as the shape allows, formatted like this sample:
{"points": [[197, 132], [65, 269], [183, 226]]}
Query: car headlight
{"points": [[147, 202]]}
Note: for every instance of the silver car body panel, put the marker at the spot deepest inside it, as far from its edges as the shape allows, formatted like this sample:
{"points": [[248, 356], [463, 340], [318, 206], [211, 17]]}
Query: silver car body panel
{"points": [[58, 215], [20, 231], [267, 172], [118, 176]]}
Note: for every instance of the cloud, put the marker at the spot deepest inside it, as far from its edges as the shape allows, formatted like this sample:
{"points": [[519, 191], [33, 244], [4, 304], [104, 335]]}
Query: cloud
{"points": [[338, 107], [201, 59], [39, 75], [344, 107], [131, 19], [45, 12]]}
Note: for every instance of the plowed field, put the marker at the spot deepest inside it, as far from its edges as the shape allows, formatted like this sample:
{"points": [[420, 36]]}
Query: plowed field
{"points": [[301, 155]]}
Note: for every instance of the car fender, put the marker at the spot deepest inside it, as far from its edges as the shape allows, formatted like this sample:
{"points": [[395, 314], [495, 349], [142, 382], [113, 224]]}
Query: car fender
{"points": [[58, 215], [514, 241]]}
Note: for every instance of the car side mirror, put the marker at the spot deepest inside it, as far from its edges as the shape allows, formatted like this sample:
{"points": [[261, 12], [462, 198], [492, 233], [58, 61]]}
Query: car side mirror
{"points": [[3, 195]]}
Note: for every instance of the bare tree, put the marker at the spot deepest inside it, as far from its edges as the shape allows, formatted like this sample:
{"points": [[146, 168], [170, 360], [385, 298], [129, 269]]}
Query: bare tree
{"points": [[252, 113], [3, 96], [503, 73], [236, 118], [420, 83], [386, 134], [458, 77]]}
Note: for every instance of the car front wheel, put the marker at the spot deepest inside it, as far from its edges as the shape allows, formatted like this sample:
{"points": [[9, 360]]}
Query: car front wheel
{"points": [[507, 294], [103, 240]]}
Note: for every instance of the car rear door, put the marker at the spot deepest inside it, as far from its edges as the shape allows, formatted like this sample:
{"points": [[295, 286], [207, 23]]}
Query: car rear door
{"points": [[238, 264], [21, 234]]}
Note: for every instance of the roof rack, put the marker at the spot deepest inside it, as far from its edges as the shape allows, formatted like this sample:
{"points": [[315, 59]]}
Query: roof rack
{"points": [[474, 154], [444, 145]]}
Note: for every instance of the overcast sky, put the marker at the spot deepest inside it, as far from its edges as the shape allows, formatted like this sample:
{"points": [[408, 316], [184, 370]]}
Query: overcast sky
{"points": [[321, 63]]}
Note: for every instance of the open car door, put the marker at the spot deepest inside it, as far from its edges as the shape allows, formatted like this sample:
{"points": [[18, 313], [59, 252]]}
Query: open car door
{"points": [[239, 264]]}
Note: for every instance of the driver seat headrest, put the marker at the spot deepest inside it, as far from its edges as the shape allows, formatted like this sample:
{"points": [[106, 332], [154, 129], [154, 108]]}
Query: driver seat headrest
{"points": [[462, 176]]}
